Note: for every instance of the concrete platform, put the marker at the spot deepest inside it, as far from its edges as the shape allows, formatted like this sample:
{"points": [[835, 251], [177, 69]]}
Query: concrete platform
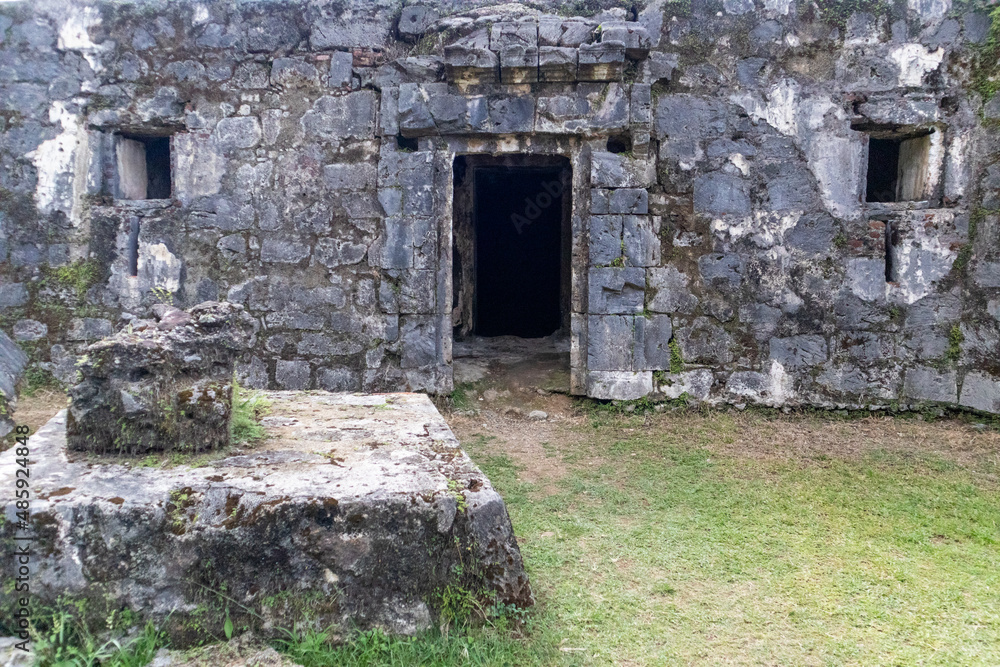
{"points": [[358, 511]]}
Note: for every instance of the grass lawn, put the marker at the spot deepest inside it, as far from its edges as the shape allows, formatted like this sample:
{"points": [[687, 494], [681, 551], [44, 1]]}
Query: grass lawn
{"points": [[738, 539]]}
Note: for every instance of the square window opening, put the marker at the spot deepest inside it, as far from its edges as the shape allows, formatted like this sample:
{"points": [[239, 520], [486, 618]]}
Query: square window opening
{"points": [[897, 167], [143, 164]]}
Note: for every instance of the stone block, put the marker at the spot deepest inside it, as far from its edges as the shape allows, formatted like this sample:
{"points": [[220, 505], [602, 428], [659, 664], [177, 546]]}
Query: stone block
{"points": [[571, 33], [283, 251], [269, 32], [13, 295], [797, 352], [630, 33], [350, 176], [415, 20], [556, 63], [373, 537], [749, 385], [813, 234], [641, 105], [661, 66], [509, 115], [924, 383], [415, 118], [238, 132], [518, 64], [629, 200], [419, 337], [394, 248], [717, 193], [504, 34], [703, 342], [652, 342], [30, 330], [600, 201], [605, 239], [292, 374], [347, 29], [696, 384], [88, 328], [603, 61], [616, 291], [339, 379], [981, 392], [610, 342], [332, 253], [162, 388], [335, 118], [671, 292], [619, 385], [591, 108], [615, 170], [341, 69], [790, 188], [987, 274], [293, 73], [721, 270], [295, 319], [641, 240], [690, 116], [471, 65]]}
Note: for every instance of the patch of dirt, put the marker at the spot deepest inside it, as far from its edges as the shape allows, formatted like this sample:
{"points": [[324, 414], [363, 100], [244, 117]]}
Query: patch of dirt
{"points": [[34, 411], [536, 447], [497, 407]]}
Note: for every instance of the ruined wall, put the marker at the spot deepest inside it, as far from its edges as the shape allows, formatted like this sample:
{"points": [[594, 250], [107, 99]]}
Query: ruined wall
{"points": [[728, 255]]}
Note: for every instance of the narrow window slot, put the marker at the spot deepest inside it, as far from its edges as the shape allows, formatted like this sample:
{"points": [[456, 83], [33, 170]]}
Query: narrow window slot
{"points": [[133, 247], [890, 261]]}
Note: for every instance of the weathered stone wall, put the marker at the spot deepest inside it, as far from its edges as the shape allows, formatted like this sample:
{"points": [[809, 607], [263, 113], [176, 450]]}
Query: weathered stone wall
{"points": [[728, 256]]}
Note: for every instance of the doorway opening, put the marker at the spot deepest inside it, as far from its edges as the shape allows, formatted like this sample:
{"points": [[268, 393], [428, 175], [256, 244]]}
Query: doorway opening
{"points": [[511, 254]]}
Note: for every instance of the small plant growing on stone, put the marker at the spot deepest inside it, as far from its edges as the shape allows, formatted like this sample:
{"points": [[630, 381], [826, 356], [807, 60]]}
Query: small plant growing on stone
{"points": [[248, 409], [676, 360], [162, 295], [455, 488], [955, 339]]}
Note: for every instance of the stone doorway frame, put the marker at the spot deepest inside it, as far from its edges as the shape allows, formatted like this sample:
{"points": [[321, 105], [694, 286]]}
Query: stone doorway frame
{"points": [[578, 151]]}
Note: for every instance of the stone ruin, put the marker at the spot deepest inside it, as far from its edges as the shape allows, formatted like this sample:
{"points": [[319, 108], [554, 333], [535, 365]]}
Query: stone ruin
{"points": [[733, 201], [160, 386], [357, 512]]}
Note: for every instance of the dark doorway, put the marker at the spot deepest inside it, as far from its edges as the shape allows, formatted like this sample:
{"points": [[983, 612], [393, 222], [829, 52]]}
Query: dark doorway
{"points": [[515, 212]]}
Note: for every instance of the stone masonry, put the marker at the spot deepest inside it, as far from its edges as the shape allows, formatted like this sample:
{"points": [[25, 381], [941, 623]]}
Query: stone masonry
{"points": [[731, 253], [160, 386], [357, 512]]}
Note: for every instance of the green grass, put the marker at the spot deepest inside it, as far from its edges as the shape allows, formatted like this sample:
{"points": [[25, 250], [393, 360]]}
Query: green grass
{"points": [[660, 552], [59, 639], [248, 408]]}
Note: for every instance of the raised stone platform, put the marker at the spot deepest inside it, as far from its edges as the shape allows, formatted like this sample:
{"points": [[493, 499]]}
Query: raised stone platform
{"points": [[358, 511]]}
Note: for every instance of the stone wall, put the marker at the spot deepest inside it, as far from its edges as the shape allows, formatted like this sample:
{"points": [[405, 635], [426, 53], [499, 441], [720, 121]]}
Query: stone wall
{"points": [[728, 255]]}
